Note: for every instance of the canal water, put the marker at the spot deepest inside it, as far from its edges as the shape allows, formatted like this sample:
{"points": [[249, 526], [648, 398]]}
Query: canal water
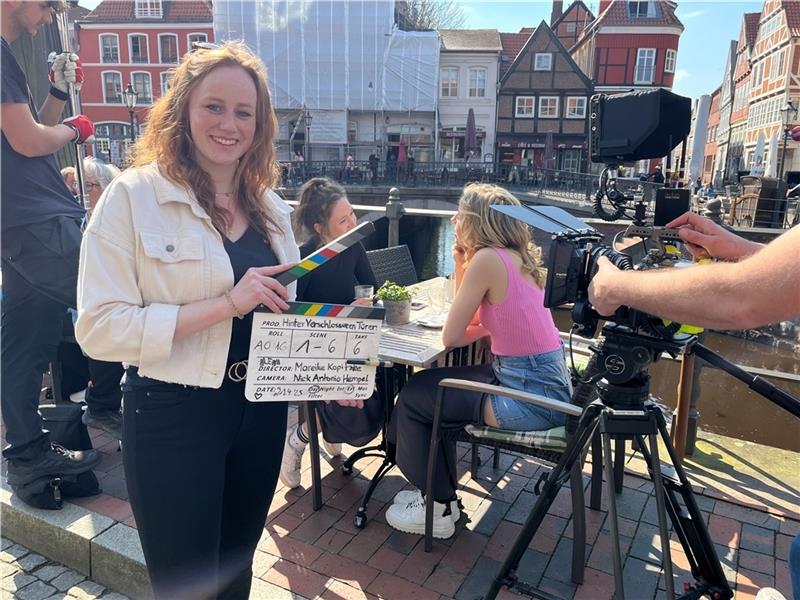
{"points": [[726, 405]]}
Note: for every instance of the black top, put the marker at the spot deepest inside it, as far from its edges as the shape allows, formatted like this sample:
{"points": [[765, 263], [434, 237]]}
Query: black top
{"points": [[250, 250], [333, 282], [32, 188]]}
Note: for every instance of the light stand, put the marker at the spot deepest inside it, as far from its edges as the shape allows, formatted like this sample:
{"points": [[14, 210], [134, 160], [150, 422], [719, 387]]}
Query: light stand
{"points": [[789, 111], [307, 121]]}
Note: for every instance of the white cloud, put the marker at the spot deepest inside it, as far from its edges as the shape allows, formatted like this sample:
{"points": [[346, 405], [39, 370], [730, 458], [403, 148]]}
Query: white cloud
{"points": [[681, 74], [693, 14]]}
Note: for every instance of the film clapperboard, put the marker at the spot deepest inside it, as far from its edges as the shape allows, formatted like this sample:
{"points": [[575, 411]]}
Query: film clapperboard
{"points": [[312, 351]]}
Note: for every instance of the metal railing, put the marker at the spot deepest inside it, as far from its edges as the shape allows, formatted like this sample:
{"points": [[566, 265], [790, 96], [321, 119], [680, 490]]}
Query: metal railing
{"points": [[445, 174]]}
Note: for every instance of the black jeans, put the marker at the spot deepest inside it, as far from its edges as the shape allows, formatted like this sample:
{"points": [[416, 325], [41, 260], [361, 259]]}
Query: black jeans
{"points": [[40, 271], [412, 424], [201, 467]]}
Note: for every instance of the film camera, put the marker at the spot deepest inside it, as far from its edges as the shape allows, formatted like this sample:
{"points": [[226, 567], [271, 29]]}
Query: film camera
{"points": [[660, 121]]}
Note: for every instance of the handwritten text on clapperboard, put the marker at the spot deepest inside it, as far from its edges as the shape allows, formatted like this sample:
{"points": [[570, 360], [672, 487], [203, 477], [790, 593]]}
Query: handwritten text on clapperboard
{"points": [[300, 357]]}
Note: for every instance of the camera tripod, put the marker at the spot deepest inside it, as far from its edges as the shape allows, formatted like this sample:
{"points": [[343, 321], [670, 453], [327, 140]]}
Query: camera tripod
{"points": [[623, 411]]}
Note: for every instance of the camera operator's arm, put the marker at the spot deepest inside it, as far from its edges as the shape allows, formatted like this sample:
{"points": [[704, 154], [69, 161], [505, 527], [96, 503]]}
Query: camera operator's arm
{"points": [[763, 288], [704, 239]]}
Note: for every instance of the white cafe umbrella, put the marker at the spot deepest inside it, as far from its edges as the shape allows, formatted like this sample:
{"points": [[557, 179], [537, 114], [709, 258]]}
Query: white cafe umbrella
{"points": [[771, 169]]}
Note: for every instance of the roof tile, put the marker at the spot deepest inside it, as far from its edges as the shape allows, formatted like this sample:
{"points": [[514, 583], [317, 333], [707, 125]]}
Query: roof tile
{"points": [[173, 11]]}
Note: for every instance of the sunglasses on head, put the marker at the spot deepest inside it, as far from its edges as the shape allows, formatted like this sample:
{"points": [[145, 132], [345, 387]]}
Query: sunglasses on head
{"points": [[205, 46]]}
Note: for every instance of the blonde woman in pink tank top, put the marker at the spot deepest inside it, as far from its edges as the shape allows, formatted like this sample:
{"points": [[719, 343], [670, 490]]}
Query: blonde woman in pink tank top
{"points": [[500, 294]]}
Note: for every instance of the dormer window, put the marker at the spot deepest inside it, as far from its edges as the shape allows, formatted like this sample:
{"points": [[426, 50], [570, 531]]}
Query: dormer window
{"points": [[148, 9], [643, 10]]}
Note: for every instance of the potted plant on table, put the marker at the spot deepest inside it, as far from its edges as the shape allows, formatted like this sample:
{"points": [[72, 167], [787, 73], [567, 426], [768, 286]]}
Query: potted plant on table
{"points": [[397, 302]]}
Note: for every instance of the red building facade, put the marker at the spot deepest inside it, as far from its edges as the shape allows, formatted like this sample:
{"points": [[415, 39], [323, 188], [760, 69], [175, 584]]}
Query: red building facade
{"points": [[138, 42]]}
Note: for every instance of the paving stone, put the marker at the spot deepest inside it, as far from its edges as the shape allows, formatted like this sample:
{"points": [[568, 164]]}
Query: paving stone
{"points": [[86, 590], [757, 539], [67, 579], [49, 572], [479, 579], [630, 504], [646, 544], [31, 561], [5, 543], [532, 566], [560, 567], [522, 507], [13, 553], [15, 582], [390, 586], [558, 589], [400, 542], [312, 528], [38, 590], [640, 578], [728, 558], [489, 515], [7, 569], [118, 596]]}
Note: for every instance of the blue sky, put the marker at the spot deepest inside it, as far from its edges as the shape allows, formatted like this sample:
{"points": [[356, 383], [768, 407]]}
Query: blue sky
{"points": [[709, 27]]}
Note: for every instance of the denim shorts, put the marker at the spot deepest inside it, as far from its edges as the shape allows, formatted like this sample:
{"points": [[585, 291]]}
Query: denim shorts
{"points": [[543, 374]]}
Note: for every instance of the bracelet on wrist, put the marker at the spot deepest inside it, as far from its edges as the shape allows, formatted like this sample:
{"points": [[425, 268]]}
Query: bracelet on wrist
{"points": [[58, 94], [77, 135], [233, 306]]}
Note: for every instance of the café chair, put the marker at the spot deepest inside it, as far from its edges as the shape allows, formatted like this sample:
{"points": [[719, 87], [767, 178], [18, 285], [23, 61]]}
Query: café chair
{"points": [[393, 264], [548, 445]]}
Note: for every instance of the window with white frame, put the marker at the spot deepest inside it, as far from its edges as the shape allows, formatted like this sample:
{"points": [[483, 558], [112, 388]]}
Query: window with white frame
{"points": [[168, 48], [148, 9], [576, 107], [109, 48], [645, 65], [138, 48], [112, 87], [524, 106], [449, 78], [758, 74], [669, 61], [166, 81], [548, 107], [643, 10], [144, 87], [571, 160], [196, 37], [477, 82], [543, 61], [777, 65], [571, 27]]}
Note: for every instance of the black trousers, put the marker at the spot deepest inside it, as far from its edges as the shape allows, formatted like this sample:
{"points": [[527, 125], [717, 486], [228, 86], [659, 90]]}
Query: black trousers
{"points": [[412, 423], [104, 394], [201, 467], [40, 271]]}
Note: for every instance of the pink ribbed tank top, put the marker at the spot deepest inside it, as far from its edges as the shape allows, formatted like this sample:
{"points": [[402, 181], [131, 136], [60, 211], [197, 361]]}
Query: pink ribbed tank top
{"points": [[520, 325]]}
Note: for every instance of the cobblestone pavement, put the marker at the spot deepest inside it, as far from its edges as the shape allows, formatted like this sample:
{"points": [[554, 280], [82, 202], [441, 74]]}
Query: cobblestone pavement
{"points": [[30, 576]]}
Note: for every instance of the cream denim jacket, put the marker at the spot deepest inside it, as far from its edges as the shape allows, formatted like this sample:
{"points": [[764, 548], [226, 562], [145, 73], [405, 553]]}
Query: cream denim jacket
{"points": [[150, 248]]}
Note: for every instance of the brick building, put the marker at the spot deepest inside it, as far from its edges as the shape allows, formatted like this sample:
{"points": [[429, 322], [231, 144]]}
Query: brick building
{"points": [[137, 42], [542, 102]]}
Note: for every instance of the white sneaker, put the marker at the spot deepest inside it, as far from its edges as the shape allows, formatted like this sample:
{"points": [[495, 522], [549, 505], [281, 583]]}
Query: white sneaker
{"points": [[78, 397], [408, 496], [333, 449], [410, 518], [292, 457]]}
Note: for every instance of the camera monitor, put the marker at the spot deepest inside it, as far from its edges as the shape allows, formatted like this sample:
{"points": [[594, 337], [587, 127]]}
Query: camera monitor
{"points": [[671, 203], [637, 125]]}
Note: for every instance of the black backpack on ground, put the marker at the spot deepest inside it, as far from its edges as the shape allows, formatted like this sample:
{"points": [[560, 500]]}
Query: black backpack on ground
{"points": [[63, 421]]}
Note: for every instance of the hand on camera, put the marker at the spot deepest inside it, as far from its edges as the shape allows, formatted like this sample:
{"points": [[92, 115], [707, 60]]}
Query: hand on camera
{"points": [[602, 286], [65, 70], [706, 239], [259, 287], [83, 128]]}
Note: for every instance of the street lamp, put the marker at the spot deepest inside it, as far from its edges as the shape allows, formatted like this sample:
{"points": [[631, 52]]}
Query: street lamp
{"points": [[789, 112], [131, 95], [307, 121]]}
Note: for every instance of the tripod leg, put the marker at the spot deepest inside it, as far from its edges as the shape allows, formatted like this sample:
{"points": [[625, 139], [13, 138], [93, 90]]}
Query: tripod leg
{"points": [[587, 425], [597, 472], [619, 464], [658, 488], [612, 514]]}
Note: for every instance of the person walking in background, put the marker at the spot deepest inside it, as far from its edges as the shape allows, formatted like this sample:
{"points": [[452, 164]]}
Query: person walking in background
{"points": [[41, 236], [180, 250], [323, 214], [374, 161], [500, 293]]}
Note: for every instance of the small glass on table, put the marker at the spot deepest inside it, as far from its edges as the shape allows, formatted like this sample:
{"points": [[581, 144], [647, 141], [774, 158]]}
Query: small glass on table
{"points": [[364, 293]]}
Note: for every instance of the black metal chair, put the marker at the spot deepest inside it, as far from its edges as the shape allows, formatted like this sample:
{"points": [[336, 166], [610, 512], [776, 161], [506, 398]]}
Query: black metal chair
{"points": [[545, 445], [393, 264]]}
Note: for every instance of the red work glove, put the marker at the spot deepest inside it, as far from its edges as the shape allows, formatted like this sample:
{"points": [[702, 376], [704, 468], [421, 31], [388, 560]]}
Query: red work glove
{"points": [[65, 69], [83, 128]]}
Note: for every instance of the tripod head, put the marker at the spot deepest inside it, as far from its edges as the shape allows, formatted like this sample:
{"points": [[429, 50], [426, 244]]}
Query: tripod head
{"points": [[623, 357]]}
